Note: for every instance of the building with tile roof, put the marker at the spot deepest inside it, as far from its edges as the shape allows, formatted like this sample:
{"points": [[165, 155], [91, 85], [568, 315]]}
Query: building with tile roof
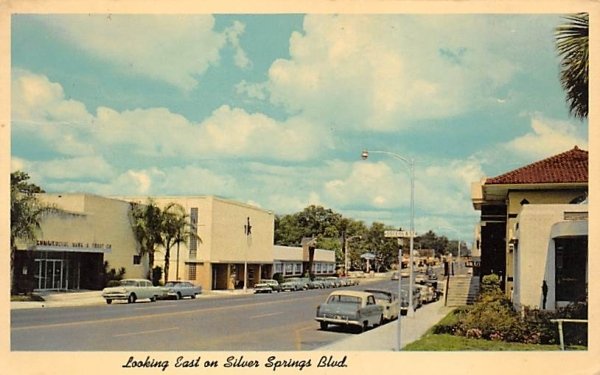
{"points": [[559, 179]]}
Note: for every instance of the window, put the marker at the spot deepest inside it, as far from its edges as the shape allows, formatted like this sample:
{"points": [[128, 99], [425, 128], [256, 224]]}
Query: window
{"points": [[192, 271], [278, 267], [298, 268], [289, 269], [318, 267], [194, 227], [137, 259], [571, 268]]}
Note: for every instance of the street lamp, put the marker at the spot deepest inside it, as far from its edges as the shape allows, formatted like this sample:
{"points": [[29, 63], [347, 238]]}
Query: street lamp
{"points": [[346, 240], [411, 166]]}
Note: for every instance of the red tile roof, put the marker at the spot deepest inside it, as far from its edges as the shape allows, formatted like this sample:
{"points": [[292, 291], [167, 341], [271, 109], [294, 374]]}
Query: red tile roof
{"points": [[568, 167]]}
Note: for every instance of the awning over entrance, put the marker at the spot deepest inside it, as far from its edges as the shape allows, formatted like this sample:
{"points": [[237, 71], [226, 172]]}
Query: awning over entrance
{"points": [[569, 229]]}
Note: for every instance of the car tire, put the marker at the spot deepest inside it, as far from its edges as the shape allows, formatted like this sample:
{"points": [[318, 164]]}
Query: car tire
{"points": [[364, 326], [381, 321], [324, 326], [131, 299], [178, 296], [153, 299], [109, 301], [193, 296]]}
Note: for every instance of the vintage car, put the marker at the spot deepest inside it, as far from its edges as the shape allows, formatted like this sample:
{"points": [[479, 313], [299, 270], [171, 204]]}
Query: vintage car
{"points": [[179, 289], [293, 285], [131, 290], [262, 287], [389, 301], [274, 284], [346, 281], [416, 299], [427, 293], [350, 308]]}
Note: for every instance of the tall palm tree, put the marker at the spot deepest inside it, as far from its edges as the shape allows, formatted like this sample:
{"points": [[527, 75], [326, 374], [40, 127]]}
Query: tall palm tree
{"points": [[176, 229], [147, 224], [572, 44]]}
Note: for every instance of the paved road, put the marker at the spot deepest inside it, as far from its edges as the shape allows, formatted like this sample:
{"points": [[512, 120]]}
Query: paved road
{"points": [[280, 321]]}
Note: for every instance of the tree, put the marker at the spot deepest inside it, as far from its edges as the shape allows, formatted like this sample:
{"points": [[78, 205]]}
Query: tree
{"points": [[25, 215], [572, 44], [176, 229], [147, 225]]}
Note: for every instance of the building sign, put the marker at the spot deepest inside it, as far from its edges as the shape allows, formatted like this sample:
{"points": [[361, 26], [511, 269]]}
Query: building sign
{"points": [[399, 233], [73, 246]]}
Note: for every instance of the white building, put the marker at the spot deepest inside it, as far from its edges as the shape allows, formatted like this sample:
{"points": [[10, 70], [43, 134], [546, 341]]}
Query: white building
{"points": [[550, 244]]}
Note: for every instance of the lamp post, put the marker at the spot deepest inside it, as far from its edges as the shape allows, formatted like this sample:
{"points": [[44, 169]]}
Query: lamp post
{"points": [[248, 232], [346, 240], [411, 167]]}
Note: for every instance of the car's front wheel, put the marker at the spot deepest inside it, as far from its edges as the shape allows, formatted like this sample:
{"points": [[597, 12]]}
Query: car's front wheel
{"points": [[109, 301], [131, 299], [324, 326], [178, 296]]}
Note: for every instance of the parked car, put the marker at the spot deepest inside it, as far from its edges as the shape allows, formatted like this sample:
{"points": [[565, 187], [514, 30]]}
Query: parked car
{"points": [[327, 283], [131, 290], [274, 284], [389, 302], [316, 284], [416, 299], [180, 289], [395, 275], [293, 285], [350, 308], [346, 281], [262, 287], [427, 294], [335, 280]]}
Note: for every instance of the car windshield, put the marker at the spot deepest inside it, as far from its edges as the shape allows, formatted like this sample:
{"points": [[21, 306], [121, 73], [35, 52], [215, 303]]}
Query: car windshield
{"points": [[340, 298]]}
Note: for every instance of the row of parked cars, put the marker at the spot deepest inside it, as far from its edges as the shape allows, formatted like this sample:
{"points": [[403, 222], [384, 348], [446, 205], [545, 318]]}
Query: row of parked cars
{"points": [[131, 290], [303, 283]]}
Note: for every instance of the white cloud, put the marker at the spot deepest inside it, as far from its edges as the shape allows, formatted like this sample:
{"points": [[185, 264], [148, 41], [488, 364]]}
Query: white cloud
{"points": [[547, 138], [382, 72], [176, 49]]}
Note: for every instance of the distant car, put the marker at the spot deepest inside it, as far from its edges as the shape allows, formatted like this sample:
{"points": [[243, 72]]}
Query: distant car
{"points": [[350, 308], [416, 299], [427, 294], [293, 285], [389, 301], [316, 284], [335, 280], [327, 283], [421, 278], [180, 289], [346, 281], [131, 290], [274, 284], [262, 287]]}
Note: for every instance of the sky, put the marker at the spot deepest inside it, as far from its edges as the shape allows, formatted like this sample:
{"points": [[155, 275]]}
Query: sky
{"points": [[274, 109]]}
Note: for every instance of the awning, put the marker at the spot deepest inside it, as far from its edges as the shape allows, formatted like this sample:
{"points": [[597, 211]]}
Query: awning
{"points": [[571, 228]]}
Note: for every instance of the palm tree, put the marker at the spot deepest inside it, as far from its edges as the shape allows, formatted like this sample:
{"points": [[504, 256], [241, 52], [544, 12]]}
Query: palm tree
{"points": [[176, 229], [147, 224], [25, 215], [572, 44]]}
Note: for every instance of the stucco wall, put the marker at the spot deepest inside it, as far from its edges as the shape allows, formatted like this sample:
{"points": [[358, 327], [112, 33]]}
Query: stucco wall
{"points": [[534, 261]]}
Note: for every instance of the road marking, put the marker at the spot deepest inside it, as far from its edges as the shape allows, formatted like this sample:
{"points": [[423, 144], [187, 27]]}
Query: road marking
{"points": [[146, 332], [264, 315], [152, 316]]}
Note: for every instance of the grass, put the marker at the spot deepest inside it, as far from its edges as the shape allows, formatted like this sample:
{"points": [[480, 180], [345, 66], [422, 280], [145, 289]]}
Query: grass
{"points": [[448, 342]]}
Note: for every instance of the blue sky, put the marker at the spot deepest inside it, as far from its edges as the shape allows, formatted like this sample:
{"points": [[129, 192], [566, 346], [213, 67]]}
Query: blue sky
{"points": [[274, 110]]}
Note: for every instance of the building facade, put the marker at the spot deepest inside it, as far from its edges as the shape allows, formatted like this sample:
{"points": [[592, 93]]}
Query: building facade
{"points": [[549, 247], [88, 233], [74, 242], [560, 179]]}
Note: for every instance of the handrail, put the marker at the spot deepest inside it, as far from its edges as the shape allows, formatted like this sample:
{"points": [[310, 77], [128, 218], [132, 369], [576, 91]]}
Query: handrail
{"points": [[447, 289], [560, 328]]}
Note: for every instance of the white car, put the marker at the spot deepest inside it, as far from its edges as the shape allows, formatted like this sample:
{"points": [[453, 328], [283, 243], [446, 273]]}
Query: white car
{"points": [[179, 289], [389, 301], [131, 290]]}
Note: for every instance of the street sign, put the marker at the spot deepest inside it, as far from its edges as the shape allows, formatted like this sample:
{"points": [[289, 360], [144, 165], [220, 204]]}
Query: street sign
{"points": [[399, 233]]}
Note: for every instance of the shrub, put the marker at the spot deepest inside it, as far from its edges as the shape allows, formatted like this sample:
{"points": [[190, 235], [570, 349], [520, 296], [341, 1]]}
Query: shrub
{"points": [[110, 275], [156, 275]]}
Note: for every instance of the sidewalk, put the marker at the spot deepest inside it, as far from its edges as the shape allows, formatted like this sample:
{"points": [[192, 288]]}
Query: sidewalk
{"points": [[385, 338], [90, 298]]}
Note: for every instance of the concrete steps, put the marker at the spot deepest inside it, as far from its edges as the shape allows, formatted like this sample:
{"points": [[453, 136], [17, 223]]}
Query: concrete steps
{"points": [[462, 290]]}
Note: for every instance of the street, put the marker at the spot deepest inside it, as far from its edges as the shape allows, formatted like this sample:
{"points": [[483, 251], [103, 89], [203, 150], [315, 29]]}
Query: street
{"points": [[261, 322]]}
